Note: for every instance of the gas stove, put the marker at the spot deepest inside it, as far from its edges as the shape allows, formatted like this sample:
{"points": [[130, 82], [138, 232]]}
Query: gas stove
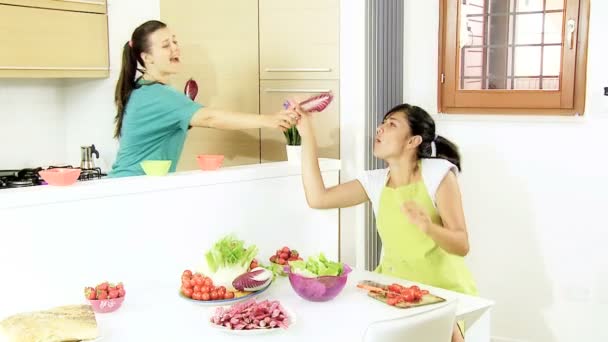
{"points": [[30, 177]]}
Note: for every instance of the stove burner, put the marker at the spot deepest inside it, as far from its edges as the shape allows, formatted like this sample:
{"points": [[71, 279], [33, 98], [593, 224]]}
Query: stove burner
{"points": [[30, 177]]}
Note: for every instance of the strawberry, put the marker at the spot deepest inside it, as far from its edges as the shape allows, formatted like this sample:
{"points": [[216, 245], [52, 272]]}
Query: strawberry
{"points": [[90, 293], [103, 286], [121, 292], [101, 294], [294, 253], [113, 294]]}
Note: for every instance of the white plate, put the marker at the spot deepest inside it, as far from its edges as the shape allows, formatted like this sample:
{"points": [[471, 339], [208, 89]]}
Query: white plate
{"points": [[292, 322], [225, 302]]}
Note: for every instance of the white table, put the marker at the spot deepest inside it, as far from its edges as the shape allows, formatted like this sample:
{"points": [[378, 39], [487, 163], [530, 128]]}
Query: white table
{"points": [[158, 314]]}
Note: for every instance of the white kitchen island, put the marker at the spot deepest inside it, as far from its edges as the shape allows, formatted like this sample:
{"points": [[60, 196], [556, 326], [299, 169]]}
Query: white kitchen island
{"points": [[144, 231]]}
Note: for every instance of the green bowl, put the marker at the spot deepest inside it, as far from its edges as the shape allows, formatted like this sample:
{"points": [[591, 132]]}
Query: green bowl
{"points": [[156, 167]]}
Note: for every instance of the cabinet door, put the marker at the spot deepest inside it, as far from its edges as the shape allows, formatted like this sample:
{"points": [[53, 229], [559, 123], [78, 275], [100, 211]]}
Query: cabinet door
{"points": [[219, 47], [299, 39], [49, 43], [92, 6], [327, 123]]}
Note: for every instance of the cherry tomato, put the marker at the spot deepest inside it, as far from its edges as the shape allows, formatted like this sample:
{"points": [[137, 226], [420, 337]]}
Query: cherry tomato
{"points": [[208, 282], [188, 292], [229, 295], [205, 289], [206, 296], [221, 292], [187, 284], [214, 295], [200, 281], [196, 296], [187, 273], [197, 288]]}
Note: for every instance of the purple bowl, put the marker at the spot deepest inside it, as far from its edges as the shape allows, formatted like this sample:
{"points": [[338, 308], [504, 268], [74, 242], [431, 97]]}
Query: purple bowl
{"points": [[319, 289]]}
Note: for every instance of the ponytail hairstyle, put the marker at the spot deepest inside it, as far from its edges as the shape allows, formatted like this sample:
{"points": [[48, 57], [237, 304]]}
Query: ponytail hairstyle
{"points": [[131, 57], [422, 124]]}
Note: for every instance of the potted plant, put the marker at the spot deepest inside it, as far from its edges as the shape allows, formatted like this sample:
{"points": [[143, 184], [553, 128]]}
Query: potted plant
{"points": [[294, 148]]}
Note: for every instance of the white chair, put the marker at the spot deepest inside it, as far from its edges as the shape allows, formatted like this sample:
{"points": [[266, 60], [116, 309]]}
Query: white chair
{"points": [[435, 325]]}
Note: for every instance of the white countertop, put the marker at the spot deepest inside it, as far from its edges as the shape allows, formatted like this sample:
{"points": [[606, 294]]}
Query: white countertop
{"points": [[107, 187], [159, 314]]}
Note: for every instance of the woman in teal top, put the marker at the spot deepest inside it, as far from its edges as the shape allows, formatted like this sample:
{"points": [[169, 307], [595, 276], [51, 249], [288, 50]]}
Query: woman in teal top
{"points": [[153, 118], [416, 200]]}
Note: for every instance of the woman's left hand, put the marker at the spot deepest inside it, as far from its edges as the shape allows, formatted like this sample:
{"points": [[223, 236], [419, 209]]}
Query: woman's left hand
{"points": [[417, 216]]}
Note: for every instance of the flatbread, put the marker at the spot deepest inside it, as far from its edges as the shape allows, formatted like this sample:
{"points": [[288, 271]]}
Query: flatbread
{"points": [[61, 324]]}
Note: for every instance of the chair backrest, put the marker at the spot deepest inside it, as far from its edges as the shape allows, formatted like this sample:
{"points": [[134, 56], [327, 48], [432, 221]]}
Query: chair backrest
{"points": [[435, 325]]}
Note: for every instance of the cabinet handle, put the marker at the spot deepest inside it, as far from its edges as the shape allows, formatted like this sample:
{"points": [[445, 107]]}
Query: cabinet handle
{"points": [[570, 27], [89, 2], [273, 90], [50, 68], [297, 69]]}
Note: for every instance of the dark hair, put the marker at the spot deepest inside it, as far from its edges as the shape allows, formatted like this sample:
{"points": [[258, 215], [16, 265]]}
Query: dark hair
{"points": [[422, 124], [131, 56]]}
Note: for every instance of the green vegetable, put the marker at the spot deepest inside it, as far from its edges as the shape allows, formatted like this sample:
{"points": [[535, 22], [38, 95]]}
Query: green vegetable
{"points": [[316, 267], [228, 259]]}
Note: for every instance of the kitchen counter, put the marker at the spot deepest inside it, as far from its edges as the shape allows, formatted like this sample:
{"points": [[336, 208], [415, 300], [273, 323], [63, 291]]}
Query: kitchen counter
{"points": [[159, 314], [108, 187]]}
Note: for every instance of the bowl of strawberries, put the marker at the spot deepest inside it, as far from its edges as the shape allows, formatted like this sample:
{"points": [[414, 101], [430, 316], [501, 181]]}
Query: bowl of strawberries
{"points": [[105, 297], [285, 255]]}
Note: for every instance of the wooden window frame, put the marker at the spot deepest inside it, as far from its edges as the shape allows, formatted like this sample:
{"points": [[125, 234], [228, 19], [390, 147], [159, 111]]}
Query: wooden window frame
{"points": [[568, 100]]}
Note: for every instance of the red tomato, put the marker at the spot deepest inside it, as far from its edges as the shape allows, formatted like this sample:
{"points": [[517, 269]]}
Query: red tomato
{"points": [[392, 301], [192, 282], [284, 255], [185, 278], [214, 295], [208, 282], [197, 288], [221, 291], [187, 284], [200, 281], [187, 273], [188, 292], [205, 289], [229, 295], [281, 261], [206, 296], [409, 297], [196, 296], [285, 249]]}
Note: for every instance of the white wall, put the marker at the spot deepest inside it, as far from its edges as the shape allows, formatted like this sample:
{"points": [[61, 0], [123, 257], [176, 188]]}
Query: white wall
{"points": [[45, 121], [31, 123], [534, 192], [89, 104], [352, 106]]}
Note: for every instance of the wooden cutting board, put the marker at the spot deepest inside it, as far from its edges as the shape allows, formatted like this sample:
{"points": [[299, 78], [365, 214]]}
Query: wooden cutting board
{"points": [[427, 299], [66, 323]]}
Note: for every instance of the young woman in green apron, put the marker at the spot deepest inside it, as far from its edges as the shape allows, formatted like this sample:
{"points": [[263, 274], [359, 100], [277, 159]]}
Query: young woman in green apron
{"points": [[416, 200]]}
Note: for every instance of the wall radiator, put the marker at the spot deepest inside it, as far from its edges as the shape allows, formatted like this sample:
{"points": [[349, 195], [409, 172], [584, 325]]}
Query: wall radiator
{"points": [[384, 90]]}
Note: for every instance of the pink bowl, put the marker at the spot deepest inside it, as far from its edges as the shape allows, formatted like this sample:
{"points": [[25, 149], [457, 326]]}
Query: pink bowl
{"points": [[319, 289], [209, 161], [59, 176], [106, 305]]}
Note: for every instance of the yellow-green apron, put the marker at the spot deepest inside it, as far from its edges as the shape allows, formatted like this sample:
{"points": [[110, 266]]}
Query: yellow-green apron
{"points": [[409, 253]]}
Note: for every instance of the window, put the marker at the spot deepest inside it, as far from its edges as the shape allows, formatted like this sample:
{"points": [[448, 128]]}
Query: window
{"points": [[513, 56]]}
